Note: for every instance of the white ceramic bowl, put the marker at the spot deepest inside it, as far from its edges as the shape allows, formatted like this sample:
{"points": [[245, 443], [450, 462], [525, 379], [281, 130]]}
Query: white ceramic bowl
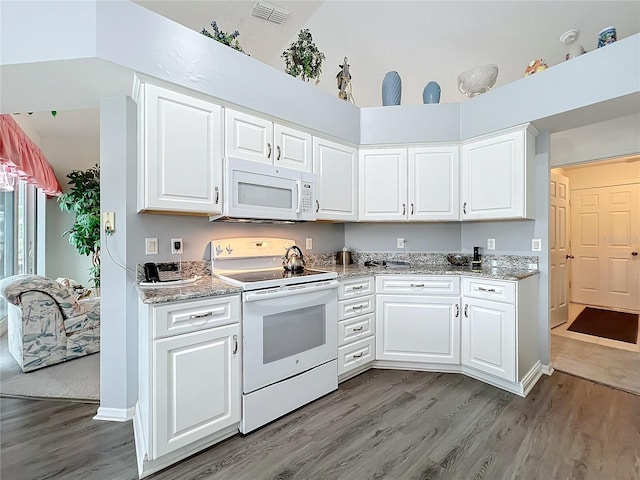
{"points": [[477, 80]]}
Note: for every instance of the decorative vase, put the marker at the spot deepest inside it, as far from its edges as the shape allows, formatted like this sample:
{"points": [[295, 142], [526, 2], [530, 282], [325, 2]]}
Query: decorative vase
{"points": [[391, 89], [431, 93], [606, 36]]}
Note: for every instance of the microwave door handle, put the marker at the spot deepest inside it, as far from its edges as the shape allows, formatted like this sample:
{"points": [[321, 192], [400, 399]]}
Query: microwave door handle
{"points": [[298, 187]]}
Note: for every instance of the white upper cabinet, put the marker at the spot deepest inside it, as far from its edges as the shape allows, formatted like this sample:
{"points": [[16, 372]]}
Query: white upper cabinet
{"points": [[434, 183], [383, 184], [260, 140], [180, 157], [414, 184], [496, 171], [336, 169]]}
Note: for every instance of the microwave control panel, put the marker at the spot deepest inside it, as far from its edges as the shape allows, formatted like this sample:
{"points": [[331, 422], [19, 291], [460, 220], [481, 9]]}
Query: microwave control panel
{"points": [[307, 197]]}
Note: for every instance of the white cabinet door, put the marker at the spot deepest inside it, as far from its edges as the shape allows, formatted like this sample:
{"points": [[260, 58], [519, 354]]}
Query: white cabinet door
{"points": [[248, 137], [196, 382], [434, 183], [383, 184], [489, 337], [421, 329], [494, 176], [336, 169], [293, 148], [180, 165]]}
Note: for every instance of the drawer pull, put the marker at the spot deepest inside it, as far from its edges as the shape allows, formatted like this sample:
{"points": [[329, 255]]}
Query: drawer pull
{"points": [[358, 355], [357, 307], [359, 287], [200, 315], [358, 329], [417, 285], [482, 289]]}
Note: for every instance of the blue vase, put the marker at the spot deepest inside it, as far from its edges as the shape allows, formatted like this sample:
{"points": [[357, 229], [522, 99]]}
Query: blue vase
{"points": [[431, 93], [391, 89]]}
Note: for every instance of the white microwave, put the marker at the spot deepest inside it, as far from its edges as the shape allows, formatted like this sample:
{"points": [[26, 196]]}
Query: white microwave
{"points": [[258, 191]]}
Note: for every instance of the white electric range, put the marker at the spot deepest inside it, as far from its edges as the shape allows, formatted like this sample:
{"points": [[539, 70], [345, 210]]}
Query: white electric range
{"points": [[289, 327]]}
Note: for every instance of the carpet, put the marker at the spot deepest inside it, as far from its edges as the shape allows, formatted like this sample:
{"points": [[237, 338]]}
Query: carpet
{"points": [[77, 379], [608, 324]]}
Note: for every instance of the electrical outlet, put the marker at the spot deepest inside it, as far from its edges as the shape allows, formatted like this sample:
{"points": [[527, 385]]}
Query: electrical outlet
{"points": [[536, 244], [491, 243], [176, 246], [109, 222], [309, 243], [400, 242], [151, 246]]}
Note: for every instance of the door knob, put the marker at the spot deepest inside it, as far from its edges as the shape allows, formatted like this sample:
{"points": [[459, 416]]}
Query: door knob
{"points": [[570, 257], [634, 254]]}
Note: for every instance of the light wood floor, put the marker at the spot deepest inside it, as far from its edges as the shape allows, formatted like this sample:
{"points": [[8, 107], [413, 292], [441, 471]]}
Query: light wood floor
{"points": [[382, 424]]}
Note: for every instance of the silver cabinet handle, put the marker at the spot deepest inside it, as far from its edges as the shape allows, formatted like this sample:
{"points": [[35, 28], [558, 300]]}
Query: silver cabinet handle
{"points": [[633, 254], [417, 285], [466, 311], [357, 307], [464, 207], [235, 344], [569, 257], [217, 190], [404, 208], [359, 287], [411, 208], [457, 310], [200, 315], [482, 289], [358, 329], [357, 355], [317, 206], [268, 150], [279, 152]]}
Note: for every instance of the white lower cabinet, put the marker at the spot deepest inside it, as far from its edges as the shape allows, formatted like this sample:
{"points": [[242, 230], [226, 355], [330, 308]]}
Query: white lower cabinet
{"points": [[489, 337], [189, 382], [499, 332], [356, 326], [416, 325]]}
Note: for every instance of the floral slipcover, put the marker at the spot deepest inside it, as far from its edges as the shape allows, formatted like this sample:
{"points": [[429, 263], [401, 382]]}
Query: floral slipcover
{"points": [[47, 325]]}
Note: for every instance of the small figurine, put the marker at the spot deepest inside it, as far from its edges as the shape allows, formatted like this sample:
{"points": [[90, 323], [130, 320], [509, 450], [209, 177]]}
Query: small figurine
{"points": [[344, 82], [535, 66]]}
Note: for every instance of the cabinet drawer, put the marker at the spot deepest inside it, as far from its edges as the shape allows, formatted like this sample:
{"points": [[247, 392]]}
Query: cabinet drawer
{"points": [[355, 287], [356, 354], [355, 307], [176, 318], [355, 328], [496, 290], [417, 284]]}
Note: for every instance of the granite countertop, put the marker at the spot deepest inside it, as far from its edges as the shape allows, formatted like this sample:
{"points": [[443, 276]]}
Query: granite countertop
{"points": [[204, 287], [209, 286], [495, 273]]}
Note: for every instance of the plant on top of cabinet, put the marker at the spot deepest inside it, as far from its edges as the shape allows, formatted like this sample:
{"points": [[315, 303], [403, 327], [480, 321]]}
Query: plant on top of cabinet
{"points": [[229, 39], [303, 59]]}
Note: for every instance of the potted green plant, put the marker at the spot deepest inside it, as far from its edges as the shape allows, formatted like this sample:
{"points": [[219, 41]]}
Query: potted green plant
{"points": [[229, 39], [303, 59], [83, 199]]}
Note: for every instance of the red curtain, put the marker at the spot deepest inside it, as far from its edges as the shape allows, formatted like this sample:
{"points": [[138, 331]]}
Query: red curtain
{"points": [[23, 159]]}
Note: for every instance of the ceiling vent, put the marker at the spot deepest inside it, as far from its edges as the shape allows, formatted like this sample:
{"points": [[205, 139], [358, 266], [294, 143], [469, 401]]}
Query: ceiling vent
{"points": [[269, 11]]}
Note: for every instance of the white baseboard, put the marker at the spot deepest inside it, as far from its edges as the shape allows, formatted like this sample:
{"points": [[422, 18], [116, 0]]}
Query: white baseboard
{"points": [[548, 369], [115, 414]]}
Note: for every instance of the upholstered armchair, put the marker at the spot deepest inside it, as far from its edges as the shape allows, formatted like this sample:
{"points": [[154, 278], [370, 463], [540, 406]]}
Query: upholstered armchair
{"points": [[47, 325]]}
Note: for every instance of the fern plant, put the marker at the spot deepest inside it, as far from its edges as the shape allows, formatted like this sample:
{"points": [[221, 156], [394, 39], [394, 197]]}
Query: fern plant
{"points": [[83, 199]]}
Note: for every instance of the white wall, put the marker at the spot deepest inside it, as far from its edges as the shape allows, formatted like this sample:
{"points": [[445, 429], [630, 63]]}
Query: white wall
{"points": [[419, 237]]}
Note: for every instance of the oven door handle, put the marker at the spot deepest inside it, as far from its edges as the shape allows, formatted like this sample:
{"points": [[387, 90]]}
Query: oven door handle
{"points": [[270, 293]]}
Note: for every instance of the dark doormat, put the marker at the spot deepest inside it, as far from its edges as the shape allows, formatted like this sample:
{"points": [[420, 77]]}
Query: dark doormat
{"points": [[607, 323]]}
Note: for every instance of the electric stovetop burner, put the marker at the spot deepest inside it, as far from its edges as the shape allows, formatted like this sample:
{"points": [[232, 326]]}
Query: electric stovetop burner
{"points": [[273, 274]]}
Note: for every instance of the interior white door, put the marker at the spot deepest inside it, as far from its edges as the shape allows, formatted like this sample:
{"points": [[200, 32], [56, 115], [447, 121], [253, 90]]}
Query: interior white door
{"points": [[605, 242], [559, 248]]}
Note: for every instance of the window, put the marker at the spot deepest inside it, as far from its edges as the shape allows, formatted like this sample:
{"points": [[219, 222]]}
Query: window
{"points": [[17, 233]]}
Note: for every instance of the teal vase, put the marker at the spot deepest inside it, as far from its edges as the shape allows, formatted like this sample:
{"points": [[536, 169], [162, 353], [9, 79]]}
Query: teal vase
{"points": [[431, 93], [391, 89]]}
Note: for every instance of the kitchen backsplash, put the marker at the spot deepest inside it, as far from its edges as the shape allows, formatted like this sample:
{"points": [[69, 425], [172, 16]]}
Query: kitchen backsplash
{"points": [[501, 261]]}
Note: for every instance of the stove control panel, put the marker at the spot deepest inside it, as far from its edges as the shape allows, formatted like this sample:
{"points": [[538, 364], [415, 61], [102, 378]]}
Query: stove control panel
{"points": [[249, 247]]}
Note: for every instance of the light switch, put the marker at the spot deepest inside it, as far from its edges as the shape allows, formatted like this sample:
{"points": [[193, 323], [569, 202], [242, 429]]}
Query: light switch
{"points": [[536, 244], [151, 246], [491, 243]]}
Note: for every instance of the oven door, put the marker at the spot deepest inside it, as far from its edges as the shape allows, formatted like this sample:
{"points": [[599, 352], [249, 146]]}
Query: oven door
{"points": [[255, 190], [287, 331]]}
